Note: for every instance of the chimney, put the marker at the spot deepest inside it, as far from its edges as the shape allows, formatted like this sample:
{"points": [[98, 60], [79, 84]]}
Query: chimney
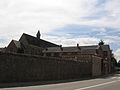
{"points": [[78, 46], [61, 48]]}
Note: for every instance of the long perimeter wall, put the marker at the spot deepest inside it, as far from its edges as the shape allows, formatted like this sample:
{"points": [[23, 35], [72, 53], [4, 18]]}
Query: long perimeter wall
{"points": [[19, 68]]}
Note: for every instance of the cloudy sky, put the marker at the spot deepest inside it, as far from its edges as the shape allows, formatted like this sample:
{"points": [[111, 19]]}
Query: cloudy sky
{"points": [[65, 22]]}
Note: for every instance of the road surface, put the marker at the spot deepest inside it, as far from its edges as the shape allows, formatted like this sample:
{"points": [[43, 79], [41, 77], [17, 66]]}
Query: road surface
{"points": [[103, 83]]}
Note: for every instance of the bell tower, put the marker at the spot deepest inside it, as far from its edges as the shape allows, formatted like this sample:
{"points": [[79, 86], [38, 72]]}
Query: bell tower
{"points": [[38, 34]]}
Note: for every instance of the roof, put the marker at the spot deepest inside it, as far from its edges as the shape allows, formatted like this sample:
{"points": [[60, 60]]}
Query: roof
{"points": [[105, 47], [62, 49], [38, 42], [90, 47], [17, 43], [70, 49], [2, 49]]}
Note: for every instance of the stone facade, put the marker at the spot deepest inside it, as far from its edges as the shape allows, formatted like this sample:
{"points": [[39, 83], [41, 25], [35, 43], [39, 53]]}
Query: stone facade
{"points": [[28, 44], [94, 60], [97, 55], [96, 66], [12, 47], [102, 51]]}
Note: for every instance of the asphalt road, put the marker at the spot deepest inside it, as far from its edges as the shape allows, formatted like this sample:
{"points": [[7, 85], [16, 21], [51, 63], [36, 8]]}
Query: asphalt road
{"points": [[102, 83]]}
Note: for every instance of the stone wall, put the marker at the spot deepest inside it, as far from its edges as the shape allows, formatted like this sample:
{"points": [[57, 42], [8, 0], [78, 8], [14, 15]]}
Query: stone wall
{"points": [[19, 68], [96, 66], [94, 59]]}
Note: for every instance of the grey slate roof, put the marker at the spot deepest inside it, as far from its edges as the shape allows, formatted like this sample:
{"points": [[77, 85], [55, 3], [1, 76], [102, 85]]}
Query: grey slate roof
{"points": [[70, 49], [38, 42], [105, 47], [63, 49]]}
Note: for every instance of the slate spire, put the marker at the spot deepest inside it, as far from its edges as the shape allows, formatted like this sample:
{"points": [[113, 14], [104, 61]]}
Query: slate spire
{"points": [[38, 34]]}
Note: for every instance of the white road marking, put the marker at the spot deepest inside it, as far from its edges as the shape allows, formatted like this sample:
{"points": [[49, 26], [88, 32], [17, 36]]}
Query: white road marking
{"points": [[114, 77], [119, 77], [84, 88]]}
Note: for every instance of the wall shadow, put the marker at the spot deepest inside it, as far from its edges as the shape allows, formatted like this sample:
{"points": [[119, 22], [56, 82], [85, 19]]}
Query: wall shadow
{"points": [[26, 84]]}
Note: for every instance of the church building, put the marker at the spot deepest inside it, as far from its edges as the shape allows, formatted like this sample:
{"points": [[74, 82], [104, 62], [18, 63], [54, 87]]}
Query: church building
{"points": [[28, 44]]}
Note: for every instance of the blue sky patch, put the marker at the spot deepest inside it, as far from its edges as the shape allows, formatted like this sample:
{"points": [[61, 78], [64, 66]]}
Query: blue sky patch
{"points": [[3, 40], [74, 31]]}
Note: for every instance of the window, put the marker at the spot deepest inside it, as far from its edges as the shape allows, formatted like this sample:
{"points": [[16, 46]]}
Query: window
{"points": [[74, 53], [48, 54], [20, 51], [42, 54], [96, 51], [64, 53], [105, 53], [69, 53], [56, 54]]}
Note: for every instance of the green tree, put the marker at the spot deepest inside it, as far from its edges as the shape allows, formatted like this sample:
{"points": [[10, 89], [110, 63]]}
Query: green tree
{"points": [[118, 64], [114, 61]]}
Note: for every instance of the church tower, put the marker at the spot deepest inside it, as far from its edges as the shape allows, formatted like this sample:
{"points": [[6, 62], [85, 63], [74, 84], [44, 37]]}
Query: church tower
{"points": [[38, 34]]}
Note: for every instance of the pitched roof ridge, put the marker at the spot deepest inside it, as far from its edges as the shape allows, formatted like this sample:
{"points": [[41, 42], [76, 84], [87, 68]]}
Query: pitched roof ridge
{"points": [[15, 40], [89, 46], [17, 43], [28, 37], [36, 37]]}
